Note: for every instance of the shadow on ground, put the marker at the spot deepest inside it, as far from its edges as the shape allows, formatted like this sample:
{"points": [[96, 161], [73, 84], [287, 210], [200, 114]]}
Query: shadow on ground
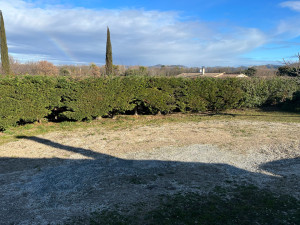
{"points": [[42, 191]]}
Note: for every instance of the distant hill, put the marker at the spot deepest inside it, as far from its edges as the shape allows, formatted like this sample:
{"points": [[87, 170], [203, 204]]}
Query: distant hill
{"points": [[269, 66], [169, 66]]}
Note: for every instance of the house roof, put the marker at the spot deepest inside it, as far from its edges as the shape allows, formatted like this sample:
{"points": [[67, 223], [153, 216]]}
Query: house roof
{"points": [[216, 75]]}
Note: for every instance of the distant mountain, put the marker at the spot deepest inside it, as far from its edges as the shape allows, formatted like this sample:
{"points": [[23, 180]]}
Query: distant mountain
{"points": [[272, 66], [169, 66], [269, 66]]}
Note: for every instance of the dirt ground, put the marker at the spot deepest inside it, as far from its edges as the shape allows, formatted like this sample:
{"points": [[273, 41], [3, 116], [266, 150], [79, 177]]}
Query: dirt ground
{"points": [[49, 178]]}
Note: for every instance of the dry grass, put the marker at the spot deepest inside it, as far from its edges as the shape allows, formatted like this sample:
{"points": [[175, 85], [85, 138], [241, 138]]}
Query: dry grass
{"points": [[126, 122], [128, 134]]}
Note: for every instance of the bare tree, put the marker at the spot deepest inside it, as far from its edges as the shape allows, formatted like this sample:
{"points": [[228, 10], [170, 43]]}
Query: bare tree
{"points": [[95, 70], [46, 68]]}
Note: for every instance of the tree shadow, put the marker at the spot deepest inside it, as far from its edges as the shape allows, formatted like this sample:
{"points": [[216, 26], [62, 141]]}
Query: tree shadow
{"points": [[82, 151], [282, 167], [51, 190]]}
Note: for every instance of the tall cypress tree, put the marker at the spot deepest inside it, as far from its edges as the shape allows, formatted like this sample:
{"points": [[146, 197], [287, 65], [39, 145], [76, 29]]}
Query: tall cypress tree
{"points": [[4, 49], [108, 60]]}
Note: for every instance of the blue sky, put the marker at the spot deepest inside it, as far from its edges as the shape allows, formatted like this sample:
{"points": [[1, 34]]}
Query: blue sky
{"points": [[191, 33]]}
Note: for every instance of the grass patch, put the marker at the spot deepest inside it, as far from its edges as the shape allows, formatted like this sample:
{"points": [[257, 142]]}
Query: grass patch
{"points": [[241, 205], [125, 121]]}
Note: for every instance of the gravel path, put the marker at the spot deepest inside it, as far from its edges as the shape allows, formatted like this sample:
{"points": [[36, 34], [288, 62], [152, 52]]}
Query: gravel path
{"points": [[50, 178]]}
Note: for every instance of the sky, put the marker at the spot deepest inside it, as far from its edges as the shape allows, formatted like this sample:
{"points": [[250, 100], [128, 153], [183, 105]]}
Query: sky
{"points": [[150, 32]]}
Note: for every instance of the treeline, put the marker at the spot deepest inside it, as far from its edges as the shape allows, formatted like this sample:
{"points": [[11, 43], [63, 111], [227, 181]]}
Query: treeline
{"points": [[33, 98], [93, 70]]}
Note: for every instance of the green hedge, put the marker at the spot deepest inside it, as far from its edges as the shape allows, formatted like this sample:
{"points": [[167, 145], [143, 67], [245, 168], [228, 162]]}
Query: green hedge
{"points": [[259, 92], [31, 98], [26, 100]]}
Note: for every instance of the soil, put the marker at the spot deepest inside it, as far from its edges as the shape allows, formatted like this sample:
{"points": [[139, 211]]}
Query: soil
{"points": [[49, 178]]}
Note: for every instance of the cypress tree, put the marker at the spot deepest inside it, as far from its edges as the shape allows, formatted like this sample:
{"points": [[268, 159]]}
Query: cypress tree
{"points": [[4, 49], [108, 60]]}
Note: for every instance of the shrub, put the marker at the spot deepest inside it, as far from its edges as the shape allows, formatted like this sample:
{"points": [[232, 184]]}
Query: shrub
{"points": [[64, 72], [250, 71], [83, 100], [293, 104], [26, 99], [31, 98], [287, 71], [263, 92], [213, 94]]}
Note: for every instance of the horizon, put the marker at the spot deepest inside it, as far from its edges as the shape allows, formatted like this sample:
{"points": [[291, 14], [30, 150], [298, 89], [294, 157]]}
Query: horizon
{"points": [[154, 66], [191, 33]]}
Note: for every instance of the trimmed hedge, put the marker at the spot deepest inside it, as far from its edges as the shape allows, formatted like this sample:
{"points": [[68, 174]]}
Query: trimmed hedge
{"points": [[263, 92], [31, 98], [26, 100]]}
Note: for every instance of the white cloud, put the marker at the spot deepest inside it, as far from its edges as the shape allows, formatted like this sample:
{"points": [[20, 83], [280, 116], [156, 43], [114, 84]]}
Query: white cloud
{"points": [[74, 35], [289, 28], [294, 5]]}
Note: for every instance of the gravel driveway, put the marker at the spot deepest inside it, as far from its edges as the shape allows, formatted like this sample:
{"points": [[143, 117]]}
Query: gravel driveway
{"points": [[50, 178]]}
